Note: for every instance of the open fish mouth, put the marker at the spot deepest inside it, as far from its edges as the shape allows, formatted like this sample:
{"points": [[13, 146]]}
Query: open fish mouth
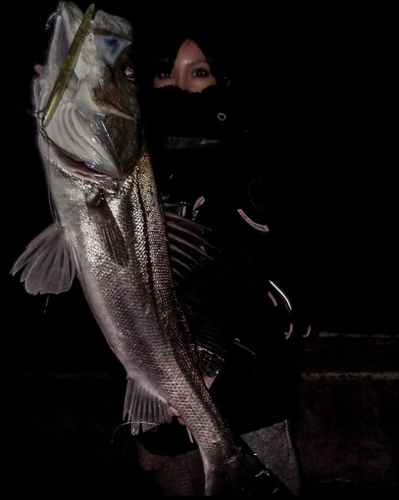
{"points": [[96, 122], [65, 160]]}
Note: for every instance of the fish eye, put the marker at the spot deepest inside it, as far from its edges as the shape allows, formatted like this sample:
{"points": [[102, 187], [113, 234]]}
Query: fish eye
{"points": [[129, 72]]}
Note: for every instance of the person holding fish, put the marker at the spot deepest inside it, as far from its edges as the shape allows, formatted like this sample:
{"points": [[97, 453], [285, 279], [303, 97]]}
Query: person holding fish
{"points": [[170, 266], [198, 138]]}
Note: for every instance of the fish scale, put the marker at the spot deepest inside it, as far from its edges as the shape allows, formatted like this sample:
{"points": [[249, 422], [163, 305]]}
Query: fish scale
{"points": [[137, 309]]}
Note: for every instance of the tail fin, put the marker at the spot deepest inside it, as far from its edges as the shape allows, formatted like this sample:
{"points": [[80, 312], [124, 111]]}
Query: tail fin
{"points": [[245, 475]]}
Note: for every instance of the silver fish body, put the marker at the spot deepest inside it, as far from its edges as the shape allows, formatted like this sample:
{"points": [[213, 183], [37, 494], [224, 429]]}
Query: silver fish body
{"points": [[110, 231]]}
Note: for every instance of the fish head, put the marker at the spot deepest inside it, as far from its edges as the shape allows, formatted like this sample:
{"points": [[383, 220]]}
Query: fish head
{"points": [[97, 121]]}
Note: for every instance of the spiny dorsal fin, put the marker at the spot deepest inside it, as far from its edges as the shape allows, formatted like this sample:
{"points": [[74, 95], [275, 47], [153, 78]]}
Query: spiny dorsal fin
{"points": [[49, 262], [188, 248], [187, 245]]}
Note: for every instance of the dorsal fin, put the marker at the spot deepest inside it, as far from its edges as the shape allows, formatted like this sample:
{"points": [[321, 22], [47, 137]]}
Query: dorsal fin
{"points": [[188, 249], [208, 334], [49, 262], [188, 246]]}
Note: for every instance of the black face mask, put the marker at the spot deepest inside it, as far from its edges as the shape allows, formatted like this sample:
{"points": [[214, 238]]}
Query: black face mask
{"points": [[177, 119], [191, 135]]}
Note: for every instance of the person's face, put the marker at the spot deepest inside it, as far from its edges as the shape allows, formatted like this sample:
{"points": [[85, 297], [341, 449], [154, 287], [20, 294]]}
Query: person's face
{"points": [[190, 71]]}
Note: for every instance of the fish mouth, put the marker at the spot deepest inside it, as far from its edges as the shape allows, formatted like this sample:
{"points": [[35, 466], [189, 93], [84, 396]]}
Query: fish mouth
{"points": [[57, 157], [93, 125], [68, 161]]}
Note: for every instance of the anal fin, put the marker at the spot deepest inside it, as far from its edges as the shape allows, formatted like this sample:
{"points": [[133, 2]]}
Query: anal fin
{"points": [[142, 410]]}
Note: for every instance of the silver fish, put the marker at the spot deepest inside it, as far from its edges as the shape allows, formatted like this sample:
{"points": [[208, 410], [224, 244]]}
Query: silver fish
{"points": [[110, 231]]}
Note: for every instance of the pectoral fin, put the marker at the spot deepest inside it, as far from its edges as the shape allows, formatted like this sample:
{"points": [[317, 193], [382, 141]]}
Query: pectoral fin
{"points": [[111, 235], [49, 262]]}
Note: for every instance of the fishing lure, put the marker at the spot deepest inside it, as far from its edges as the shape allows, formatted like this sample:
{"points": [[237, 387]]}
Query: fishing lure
{"points": [[68, 66]]}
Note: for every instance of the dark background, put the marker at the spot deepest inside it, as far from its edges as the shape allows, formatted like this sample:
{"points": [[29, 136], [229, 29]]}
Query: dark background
{"points": [[318, 85]]}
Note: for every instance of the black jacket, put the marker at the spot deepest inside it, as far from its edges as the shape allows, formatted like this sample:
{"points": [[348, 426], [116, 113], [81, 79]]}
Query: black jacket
{"points": [[204, 160]]}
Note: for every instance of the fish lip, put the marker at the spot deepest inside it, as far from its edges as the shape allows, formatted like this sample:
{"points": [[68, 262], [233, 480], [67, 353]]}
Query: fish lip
{"points": [[70, 12], [70, 15], [61, 22]]}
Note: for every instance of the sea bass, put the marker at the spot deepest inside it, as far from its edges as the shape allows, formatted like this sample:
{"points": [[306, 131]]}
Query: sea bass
{"points": [[110, 231]]}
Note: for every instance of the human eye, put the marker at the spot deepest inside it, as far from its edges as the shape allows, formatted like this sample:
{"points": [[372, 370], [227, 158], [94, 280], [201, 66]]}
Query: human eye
{"points": [[164, 75], [201, 72]]}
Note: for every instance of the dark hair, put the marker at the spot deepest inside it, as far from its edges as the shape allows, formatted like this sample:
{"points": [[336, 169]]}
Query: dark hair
{"points": [[161, 51]]}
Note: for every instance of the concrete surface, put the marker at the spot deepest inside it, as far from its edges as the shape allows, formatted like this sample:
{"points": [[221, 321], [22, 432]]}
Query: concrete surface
{"points": [[59, 428], [348, 433]]}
